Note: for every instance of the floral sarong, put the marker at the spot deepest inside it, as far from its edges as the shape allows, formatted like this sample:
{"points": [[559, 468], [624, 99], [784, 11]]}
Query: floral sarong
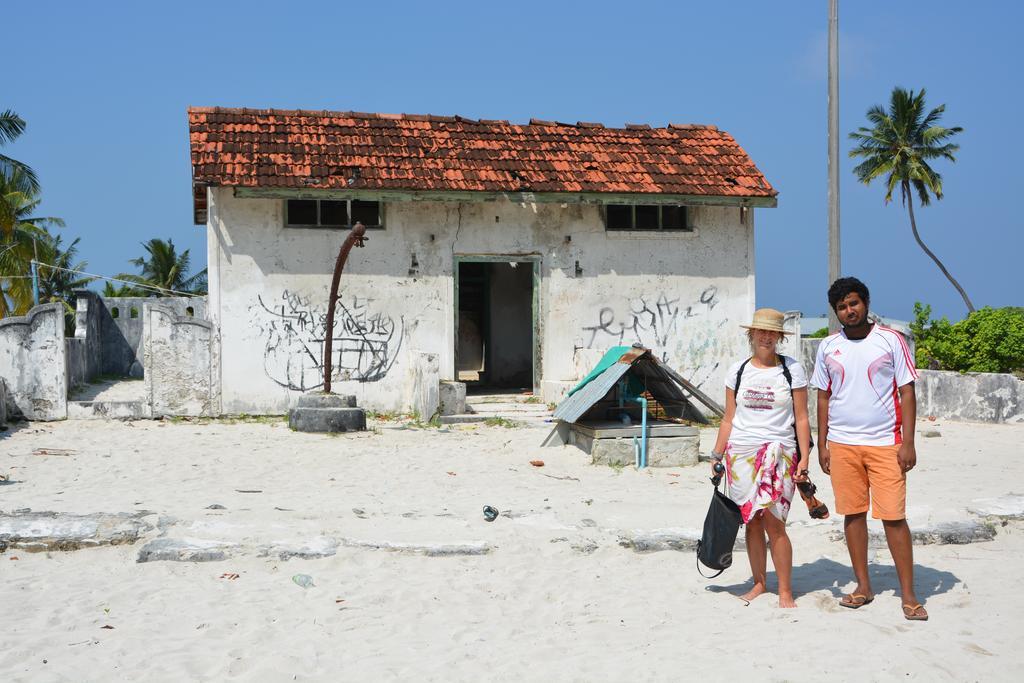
{"points": [[760, 478]]}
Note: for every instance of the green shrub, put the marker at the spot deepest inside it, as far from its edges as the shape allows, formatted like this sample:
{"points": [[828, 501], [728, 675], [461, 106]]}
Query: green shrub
{"points": [[988, 340], [819, 334]]}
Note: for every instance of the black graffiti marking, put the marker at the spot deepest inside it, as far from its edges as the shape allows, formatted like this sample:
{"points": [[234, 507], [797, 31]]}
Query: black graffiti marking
{"points": [[651, 324], [366, 343], [707, 297]]}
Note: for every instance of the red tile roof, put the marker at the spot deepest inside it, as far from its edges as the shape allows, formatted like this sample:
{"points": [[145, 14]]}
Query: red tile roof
{"points": [[352, 150]]}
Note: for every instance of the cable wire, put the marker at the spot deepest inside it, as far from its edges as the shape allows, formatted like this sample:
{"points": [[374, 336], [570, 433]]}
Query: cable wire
{"points": [[154, 288]]}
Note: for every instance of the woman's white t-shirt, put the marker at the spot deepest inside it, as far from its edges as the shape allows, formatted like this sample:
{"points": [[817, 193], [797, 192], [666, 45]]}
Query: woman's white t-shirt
{"points": [[764, 406]]}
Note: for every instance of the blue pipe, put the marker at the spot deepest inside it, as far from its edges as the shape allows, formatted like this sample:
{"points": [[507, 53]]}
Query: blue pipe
{"points": [[643, 431]]}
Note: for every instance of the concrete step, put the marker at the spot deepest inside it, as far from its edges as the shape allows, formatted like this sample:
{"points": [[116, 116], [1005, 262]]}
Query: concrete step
{"points": [[463, 418], [476, 418], [511, 408], [498, 398], [108, 410]]}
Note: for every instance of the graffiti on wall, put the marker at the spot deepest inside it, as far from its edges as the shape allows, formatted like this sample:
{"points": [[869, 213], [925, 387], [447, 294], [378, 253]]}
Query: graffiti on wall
{"points": [[366, 341], [668, 326]]}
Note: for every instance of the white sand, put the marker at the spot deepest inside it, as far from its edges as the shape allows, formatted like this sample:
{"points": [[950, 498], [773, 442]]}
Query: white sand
{"points": [[535, 608]]}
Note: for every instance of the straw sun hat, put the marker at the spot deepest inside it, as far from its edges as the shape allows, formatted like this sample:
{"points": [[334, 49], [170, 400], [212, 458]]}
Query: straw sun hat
{"points": [[767, 319]]}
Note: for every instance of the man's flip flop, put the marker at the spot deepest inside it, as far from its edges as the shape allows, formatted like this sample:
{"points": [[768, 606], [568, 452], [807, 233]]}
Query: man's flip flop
{"points": [[856, 601], [915, 613]]}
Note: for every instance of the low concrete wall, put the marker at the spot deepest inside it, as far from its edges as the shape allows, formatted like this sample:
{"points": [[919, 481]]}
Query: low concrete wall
{"points": [[181, 356], [33, 362], [970, 397], [122, 335], [426, 380]]}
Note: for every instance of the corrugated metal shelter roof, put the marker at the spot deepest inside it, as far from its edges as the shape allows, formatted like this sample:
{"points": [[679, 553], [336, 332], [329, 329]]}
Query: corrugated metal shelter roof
{"points": [[645, 371]]}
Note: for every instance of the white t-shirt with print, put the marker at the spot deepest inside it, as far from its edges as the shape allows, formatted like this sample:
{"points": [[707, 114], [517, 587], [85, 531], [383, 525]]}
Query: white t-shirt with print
{"points": [[864, 376], [764, 406]]}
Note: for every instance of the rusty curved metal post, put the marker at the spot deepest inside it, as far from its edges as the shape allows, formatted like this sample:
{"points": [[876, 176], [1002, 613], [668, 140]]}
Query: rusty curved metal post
{"points": [[356, 237]]}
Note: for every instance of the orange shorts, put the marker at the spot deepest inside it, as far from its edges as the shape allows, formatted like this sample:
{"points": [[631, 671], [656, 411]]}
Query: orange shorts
{"points": [[856, 470]]}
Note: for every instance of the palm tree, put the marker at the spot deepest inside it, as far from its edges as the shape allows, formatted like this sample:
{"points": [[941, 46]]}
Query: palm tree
{"points": [[59, 276], [121, 290], [22, 236], [12, 126], [900, 144], [166, 270]]}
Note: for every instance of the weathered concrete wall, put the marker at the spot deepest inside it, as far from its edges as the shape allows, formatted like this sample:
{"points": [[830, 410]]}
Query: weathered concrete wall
{"points": [[33, 362], [121, 326], [89, 315], [181, 359], [970, 397], [3, 402], [78, 362], [681, 294]]}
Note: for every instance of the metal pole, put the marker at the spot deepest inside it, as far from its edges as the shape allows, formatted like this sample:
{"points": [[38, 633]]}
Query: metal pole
{"points": [[35, 284], [834, 260], [355, 237]]}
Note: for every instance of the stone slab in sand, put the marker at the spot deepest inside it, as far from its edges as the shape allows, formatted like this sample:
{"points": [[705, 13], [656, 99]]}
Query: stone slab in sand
{"points": [[427, 549], [45, 531], [183, 550], [1010, 506], [946, 533]]}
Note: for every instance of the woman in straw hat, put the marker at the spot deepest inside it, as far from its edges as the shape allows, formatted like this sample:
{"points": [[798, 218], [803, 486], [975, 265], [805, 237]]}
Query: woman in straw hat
{"points": [[758, 442]]}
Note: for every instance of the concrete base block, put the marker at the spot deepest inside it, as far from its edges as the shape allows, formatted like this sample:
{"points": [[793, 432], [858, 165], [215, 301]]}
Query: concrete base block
{"points": [[327, 419], [326, 401], [318, 412], [452, 398], [662, 451]]}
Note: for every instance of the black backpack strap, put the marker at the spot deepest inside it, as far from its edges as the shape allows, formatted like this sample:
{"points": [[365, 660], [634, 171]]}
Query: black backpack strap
{"points": [[739, 376], [785, 372]]}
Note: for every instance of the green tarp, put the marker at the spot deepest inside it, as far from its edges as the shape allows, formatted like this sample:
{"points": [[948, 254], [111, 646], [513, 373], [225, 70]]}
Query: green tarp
{"points": [[610, 358]]}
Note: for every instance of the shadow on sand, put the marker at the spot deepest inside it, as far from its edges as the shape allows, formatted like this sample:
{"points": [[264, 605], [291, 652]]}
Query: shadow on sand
{"points": [[826, 574], [12, 426]]}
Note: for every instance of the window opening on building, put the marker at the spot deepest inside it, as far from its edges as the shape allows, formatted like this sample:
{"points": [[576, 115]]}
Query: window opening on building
{"points": [[647, 217], [331, 213]]}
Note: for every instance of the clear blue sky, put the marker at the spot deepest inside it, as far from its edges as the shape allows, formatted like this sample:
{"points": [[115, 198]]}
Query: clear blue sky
{"points": [[104, 88]]}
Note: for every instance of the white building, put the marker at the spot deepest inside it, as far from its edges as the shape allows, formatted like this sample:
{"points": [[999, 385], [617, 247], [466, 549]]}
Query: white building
{"points": [[505, 255]]}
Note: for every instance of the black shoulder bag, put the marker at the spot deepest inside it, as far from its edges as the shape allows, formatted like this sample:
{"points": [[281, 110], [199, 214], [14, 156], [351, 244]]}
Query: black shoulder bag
{"points": [[714, 549]]}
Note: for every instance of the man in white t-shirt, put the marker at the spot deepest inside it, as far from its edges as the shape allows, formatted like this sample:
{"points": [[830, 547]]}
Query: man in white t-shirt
{"points": [[866, 414]]}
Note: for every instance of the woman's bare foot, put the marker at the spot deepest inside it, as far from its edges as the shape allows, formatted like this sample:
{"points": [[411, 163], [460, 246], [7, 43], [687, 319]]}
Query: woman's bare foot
{"points": [[786, 600], [757, 590]]}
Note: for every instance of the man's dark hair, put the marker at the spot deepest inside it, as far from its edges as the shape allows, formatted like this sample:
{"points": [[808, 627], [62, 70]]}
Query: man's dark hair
{"points": [[845, 286]]}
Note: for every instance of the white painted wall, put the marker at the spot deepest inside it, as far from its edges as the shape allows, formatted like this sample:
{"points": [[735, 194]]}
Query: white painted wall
{"points": [[33, 363], [681, 294]]}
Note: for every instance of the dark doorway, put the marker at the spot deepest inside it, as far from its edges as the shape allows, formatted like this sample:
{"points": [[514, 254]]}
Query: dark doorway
{"points": [[496, 324]]}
